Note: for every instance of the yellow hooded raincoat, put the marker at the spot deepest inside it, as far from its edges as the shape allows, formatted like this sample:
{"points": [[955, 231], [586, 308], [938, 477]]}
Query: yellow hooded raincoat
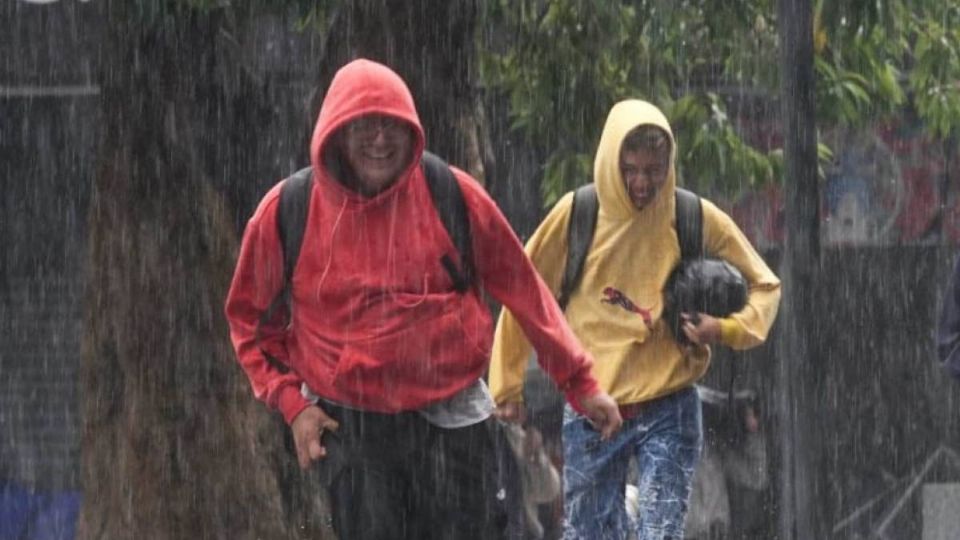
{"points": [[633, 251]]}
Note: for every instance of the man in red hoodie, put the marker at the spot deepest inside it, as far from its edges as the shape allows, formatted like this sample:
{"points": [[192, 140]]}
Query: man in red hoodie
{"points": [[384, 357]]}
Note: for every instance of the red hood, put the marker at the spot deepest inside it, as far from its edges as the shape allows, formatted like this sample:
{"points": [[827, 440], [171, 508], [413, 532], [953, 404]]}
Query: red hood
{"points": [[364, 87]]}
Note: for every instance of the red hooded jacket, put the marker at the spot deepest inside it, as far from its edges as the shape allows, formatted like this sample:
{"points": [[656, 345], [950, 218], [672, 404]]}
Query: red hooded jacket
{"points": [[376, 322]]}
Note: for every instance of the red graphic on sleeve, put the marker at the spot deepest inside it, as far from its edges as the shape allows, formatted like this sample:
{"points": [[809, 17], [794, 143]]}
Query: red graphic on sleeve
{"points": [[617, 298]]}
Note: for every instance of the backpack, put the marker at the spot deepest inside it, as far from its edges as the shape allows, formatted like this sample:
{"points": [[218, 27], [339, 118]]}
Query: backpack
{"points": [[292, 221], [543, 399], [689, 223], [583, 222]]}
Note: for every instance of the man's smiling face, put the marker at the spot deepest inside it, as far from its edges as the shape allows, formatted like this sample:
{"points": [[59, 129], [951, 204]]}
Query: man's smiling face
{"points": [[377, 148]]}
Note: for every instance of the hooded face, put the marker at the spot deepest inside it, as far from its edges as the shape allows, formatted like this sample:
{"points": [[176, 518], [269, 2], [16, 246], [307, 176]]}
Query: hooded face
{"points": [[377, 148], [368, 134], [644, 173], [634, 165]]}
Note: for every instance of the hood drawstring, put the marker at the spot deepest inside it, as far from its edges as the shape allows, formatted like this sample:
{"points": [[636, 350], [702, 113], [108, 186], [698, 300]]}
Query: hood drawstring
{"points": [[333, 238], [424, 287]]}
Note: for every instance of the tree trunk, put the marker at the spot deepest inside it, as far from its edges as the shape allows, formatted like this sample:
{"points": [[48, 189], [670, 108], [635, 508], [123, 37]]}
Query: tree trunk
{"points": [[430, 44], [797, 348], [173, 444]]}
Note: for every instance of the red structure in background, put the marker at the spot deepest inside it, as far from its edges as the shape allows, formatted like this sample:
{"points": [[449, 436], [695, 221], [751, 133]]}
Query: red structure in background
{"points": [[921, 172], [884, 187]]}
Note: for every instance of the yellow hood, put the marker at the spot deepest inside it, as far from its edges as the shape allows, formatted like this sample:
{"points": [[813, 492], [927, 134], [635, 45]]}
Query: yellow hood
{"points": [[615, 203], [633, 251]]}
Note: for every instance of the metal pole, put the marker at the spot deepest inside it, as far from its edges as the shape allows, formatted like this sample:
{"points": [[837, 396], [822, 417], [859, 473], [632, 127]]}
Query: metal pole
{"points": [[797, 347]]}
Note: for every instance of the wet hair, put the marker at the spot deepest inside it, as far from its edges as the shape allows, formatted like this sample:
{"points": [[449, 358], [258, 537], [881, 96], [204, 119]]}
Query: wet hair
{"points": [[649, 138]]}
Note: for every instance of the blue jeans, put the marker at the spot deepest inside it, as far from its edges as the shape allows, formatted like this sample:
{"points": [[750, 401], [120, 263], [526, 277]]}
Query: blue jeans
{"points": [[665, 437]]}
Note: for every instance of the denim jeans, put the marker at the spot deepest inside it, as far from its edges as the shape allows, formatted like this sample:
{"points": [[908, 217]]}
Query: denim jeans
{"points": [[665, 437]]}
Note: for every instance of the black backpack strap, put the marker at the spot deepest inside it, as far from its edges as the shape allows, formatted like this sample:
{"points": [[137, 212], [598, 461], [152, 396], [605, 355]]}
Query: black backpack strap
{"points": [[291, 223], [689, 216], [583, 222], [448, 200], [292, 217]]}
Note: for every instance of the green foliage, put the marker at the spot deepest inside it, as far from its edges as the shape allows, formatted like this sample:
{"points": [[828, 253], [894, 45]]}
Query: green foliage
{"points": [[935, 79], [880, 56], [710, 147], [851, 95], [563, 63], [570, 169], [569, 61]]}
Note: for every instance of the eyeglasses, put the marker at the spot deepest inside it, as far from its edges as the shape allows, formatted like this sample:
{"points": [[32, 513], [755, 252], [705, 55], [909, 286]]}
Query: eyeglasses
{"points": [[368, 127]]}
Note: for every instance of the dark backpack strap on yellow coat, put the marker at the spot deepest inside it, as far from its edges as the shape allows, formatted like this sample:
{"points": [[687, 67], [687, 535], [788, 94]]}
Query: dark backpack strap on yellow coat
{"points": [[583, 223], [689, 215]]}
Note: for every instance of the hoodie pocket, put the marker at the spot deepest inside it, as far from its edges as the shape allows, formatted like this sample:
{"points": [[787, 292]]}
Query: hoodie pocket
{"points": [[419, 363]]}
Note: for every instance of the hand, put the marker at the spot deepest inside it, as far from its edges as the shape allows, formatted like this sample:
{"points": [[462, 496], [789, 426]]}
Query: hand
{"points": [[308, 428], [602, 412], [700, 328], [513, 412]]}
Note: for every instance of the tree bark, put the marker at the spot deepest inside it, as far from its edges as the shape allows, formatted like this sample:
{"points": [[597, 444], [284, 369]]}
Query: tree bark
{"points": [[796, 349], [430, 44], [173, 443]]}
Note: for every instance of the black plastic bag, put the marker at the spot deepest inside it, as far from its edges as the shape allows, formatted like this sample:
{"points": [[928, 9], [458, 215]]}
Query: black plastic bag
{"points": [[711, 286]]}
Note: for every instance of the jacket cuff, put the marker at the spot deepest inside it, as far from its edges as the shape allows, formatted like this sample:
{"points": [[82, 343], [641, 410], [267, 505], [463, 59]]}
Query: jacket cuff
{"points": [[579, 386], [291, 403], [729, 331]]}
